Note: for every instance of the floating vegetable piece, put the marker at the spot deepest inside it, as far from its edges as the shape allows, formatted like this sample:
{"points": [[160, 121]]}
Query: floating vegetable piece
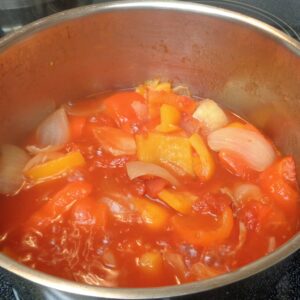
{"points": [[153, 215], [204, 165], [54, 130], [56, 167], [180, 201], [191, 229], [169, 119], [249, 145], [115, 141], [137, 169], [150, 262], [159, 148], [210, 115]]}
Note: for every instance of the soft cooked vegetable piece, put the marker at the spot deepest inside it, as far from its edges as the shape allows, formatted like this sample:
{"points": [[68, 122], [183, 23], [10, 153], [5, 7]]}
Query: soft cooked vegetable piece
{"points": [[55, 167], [12, 161], [154, 186], [154, 85], [180, 201], [236, 165], [159, 148], [115, 141], [150, 262], [154, 216], [193, 230], [206, 166], [119, 108], [138, 168], [54, 130], [210, 115], [250, 145], [59, 204], [279, 182], [77, 124], [169, 119], [157, 98], [88, 212]]}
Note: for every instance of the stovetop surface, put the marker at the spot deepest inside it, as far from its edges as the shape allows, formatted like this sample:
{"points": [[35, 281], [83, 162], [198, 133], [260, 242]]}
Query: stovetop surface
{"points": [[279, 282]]}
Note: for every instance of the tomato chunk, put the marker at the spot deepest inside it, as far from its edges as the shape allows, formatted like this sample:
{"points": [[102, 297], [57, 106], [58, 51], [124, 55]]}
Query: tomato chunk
{"points": [[59, 204], [279, 182]]}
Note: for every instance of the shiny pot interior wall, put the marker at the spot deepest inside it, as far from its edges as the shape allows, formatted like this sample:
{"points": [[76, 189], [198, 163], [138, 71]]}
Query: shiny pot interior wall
{"points": [[245, 70]]}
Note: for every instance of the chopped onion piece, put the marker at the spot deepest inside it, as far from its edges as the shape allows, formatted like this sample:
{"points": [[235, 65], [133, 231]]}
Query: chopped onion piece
{"points": [[54, 130], [246, 191], [138, 168], [210, 115], [257, 152], [13, 160], [34, 150], [182, 90]]}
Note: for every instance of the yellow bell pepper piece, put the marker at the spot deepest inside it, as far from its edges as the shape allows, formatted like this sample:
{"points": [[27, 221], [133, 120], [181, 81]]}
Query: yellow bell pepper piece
{"points": [[55, 167], [204, 165], [153, 215], [150, 262], [180, 201], [169, 118], [169, 150]]}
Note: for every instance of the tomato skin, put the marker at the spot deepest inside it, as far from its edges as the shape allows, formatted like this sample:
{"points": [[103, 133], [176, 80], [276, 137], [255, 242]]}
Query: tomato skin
{"points": [[279, 183]]}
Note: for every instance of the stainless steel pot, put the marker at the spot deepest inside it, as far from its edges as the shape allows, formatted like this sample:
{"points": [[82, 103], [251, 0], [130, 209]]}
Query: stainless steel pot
{"points": [[244, 64]]}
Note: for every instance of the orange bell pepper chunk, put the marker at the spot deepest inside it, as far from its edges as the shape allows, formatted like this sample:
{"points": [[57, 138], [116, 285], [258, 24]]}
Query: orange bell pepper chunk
{"points": [[168, 150], [200, 231], [153, 215], [56, 167], [180, 201], [204, 165], [169, 119], [59, 204]]}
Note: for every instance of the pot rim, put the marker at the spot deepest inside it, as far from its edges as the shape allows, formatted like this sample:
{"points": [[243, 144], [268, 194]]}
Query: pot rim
{"points": [[168, 291]]}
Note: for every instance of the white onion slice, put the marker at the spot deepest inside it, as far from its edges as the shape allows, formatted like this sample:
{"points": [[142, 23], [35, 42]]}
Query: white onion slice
{"points": [[210, 115], [246, 191], [13, 159], [137, 168], [54, 130], [34, 150], [248, 144]]}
